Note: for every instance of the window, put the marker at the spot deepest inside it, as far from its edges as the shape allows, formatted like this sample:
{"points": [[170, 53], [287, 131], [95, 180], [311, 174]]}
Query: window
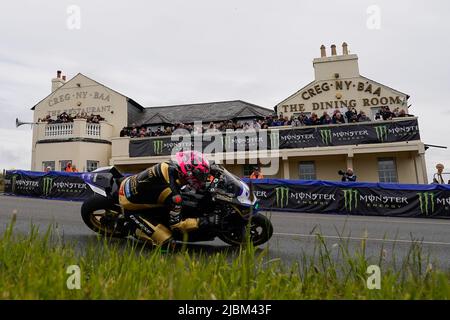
{"points": [[387, 170], [307, 170], [50, 164], [91, 165], [63, 164]]}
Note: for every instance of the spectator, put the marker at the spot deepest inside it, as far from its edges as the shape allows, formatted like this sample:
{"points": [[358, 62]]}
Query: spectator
{"points": [[48, 169], [296, 122], [338, 118], [348, 175], [386, 113], [362, 117], [256, 173], [325, 118], [437, 177], [314, 120], [74, 168], [124, 132], [402, 114], [351, 115], [68, 167], [378, 117]]}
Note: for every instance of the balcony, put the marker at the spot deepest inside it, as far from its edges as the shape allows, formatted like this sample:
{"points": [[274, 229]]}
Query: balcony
{"points": [[366, 137], [79, 128]]}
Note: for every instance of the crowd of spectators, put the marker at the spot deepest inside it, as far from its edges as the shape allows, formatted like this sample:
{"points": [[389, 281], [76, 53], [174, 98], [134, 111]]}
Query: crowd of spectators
{"points": [[143, 131], [338, 116], [65, 117]]}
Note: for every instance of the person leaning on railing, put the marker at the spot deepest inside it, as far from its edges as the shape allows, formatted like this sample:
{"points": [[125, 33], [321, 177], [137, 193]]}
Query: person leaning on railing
{"points": [[437, 177], [347, 176], [362, 117], [256, 174]]}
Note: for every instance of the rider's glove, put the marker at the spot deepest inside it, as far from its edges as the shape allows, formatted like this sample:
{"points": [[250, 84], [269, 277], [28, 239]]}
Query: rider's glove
{"points": [[175, 215]]}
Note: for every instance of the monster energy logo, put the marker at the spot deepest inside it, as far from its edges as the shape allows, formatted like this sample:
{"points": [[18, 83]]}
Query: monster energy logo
{"points": [[282, 196], [424, 199], [382, 133], [350, 199], [274, 139], [47, 185], [326, 136], [158, 146]]}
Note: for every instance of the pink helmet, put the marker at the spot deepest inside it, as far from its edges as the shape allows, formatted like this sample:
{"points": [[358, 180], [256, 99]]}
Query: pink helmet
{"points": [[194, 167]]}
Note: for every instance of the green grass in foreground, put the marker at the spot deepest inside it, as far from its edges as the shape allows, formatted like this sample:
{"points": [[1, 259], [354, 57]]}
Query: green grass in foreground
{"points": [[34, 267]]}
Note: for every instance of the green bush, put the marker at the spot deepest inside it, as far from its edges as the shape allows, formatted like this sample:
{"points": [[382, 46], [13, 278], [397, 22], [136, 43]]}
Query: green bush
{"points": [[34, 266]]}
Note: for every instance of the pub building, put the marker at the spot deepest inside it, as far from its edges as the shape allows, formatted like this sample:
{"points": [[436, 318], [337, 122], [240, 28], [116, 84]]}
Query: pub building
{"points": [[378, 151]]}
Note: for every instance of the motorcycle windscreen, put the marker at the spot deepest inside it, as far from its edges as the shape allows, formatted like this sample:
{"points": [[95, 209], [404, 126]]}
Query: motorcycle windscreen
{"points": [[238, 188]]}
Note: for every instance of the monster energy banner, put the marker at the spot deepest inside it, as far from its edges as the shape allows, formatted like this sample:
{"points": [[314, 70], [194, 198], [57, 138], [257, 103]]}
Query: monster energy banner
{"points": [[54, 185], [304, 137], [364, 133], [376, 199], [208, 143]]}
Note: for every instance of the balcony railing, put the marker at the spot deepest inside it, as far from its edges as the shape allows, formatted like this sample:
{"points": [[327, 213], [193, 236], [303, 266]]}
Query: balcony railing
{"points": [[58, 130], [275, 138], [93, 129], [79, 128]]}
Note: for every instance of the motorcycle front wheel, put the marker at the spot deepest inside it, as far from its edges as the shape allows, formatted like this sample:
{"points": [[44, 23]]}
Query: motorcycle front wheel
{"points": [[102, 216], [260, 229]]}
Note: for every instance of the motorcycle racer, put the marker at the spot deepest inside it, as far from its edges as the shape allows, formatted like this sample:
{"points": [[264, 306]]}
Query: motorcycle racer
{"points": [[159, 187]]}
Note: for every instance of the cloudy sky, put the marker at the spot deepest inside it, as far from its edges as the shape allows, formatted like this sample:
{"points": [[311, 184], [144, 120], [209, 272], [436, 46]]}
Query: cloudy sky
{"points": [[177, 51]]}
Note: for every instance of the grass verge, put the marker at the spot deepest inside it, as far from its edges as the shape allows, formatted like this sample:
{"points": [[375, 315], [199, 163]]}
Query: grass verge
{"points": [[34, 266]]}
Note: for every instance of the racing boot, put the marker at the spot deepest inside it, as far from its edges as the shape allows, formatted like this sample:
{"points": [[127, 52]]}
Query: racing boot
{"points": [[156, 234]]}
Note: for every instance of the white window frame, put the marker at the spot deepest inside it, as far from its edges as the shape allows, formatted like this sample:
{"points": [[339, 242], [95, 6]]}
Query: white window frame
{"points": [[386, 172], [88, 169], [312, 176]]}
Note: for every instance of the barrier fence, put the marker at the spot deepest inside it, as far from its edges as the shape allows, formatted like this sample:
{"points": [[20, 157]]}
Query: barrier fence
{"points": [[353, 198]]}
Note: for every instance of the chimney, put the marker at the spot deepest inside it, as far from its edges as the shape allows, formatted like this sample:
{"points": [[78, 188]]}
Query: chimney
{"points": [[345, 48], [64, 78], [57, 82], [323, 53], [333, 49]]}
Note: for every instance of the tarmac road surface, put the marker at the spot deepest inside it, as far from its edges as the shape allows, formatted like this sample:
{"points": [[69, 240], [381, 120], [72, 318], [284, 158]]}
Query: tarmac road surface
{"points": [[294, 233]]}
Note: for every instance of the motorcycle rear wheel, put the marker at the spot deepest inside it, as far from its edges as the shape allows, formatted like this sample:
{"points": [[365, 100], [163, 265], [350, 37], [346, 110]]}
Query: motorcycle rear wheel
{"points": [[261, 231], [102, 216]]}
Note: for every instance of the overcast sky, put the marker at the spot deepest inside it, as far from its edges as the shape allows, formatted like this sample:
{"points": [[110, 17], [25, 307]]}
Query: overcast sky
{"points": [[168, 52]]}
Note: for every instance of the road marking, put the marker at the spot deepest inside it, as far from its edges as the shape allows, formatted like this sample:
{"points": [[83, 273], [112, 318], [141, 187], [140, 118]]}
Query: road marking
{"points": [[360, 238], [353, 218]]}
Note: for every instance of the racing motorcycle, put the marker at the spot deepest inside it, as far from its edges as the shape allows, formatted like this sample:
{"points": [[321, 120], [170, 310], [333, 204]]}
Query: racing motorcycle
{"points": [[226, 195]]}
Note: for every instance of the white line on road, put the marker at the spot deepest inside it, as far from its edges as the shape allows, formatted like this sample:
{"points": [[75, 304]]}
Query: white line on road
{"points": [[360, 238], [353, 218]]}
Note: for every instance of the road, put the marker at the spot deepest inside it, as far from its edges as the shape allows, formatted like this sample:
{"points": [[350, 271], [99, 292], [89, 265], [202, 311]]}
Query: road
{"points": [[294, 233]]}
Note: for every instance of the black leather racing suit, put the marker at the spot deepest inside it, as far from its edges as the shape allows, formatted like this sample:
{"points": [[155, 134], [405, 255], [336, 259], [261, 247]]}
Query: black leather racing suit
{"points": [[157, 186]]}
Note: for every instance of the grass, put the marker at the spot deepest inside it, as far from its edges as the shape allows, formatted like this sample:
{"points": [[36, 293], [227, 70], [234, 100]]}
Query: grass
{"points": [[33, 266]]}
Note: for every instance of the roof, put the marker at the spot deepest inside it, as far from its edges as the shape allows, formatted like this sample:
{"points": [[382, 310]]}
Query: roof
{"points": [[131, 101], [205, 112]]}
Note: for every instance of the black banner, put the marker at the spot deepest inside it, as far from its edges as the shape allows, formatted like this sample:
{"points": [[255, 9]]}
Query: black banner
{"points": [[304, 137], [53, 185], [356, 198], [342, 198]]}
